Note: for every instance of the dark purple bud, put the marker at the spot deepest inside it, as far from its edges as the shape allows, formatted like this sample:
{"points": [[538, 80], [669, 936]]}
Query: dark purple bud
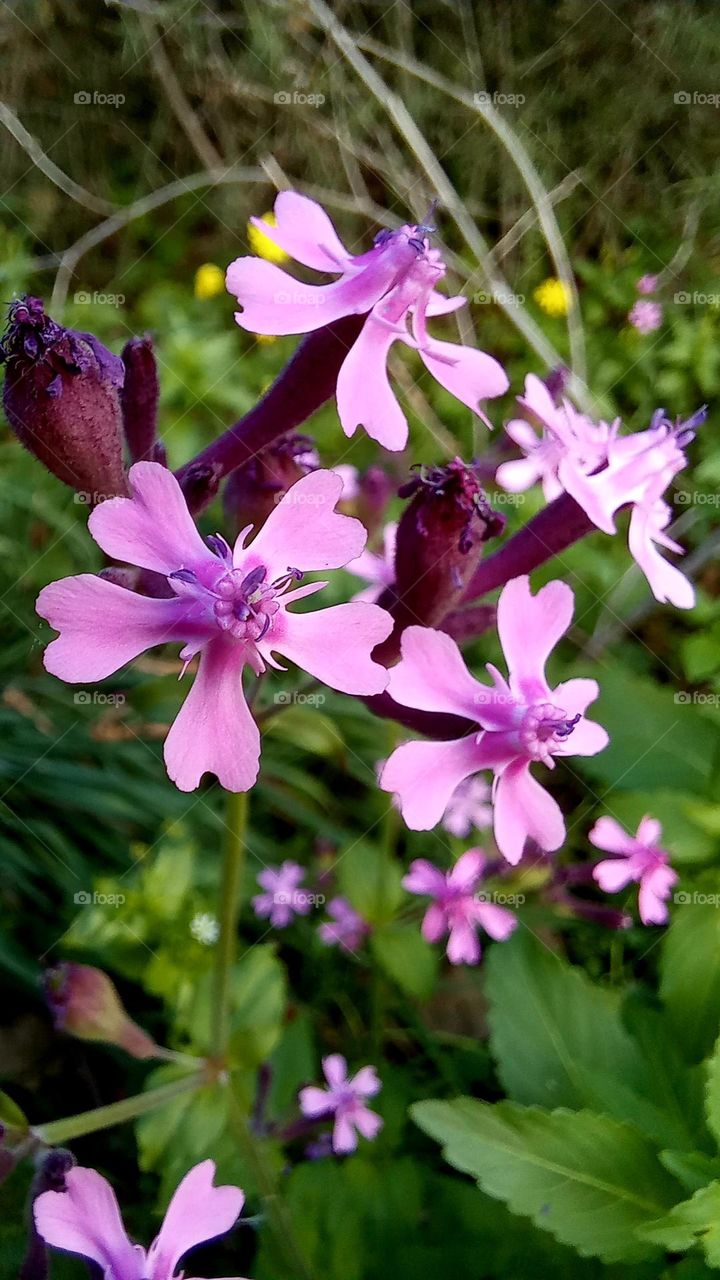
{"points": [[375, 489], [255, 489], [439, 545], [49, 1176], [556, 382], [85, 1003], [139, 399], [62, 400]]}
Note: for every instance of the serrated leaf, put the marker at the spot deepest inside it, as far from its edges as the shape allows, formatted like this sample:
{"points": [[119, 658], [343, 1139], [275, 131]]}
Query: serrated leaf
{"points": [[695, 1221], [588, 1180]]}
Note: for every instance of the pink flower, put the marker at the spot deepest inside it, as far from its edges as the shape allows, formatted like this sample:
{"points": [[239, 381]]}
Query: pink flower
{"points": [[520, 720], [347, 929], [85, 1219], [564, 432], [283, 898], [469, 807], [458, 909], [376, 568], [231, 607], [345, 1099], [640, 859], [647, 284], [645, 316], [394, 284]]}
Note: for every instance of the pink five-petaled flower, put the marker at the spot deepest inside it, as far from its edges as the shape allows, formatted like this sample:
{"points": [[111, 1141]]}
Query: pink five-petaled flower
{"points": [[645, 316], [283, 898], [344, 1099], [563, 433], [85, 1219], [393, 283], [346, 929], [641, 859], [228, 606], [520, 721], [458, 909]]}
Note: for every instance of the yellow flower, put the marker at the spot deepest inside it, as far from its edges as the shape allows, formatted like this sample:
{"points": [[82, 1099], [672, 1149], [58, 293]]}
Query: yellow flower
{"points": [[209, 281], [553, 297], [262, 245]]}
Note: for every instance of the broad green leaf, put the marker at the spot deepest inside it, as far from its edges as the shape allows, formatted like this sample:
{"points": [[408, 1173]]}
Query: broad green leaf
{"points": [[692, 1168], [371, 880], [406, 957], [259, 997], [712, 1095], [690, 978], [588, 1180], [695, 1221]]}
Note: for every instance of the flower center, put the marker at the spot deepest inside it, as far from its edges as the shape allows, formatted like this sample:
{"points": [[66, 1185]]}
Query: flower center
{"points": [[544, 728], [243, 604]]}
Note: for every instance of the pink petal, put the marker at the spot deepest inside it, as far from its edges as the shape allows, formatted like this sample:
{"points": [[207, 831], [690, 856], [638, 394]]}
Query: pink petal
{"points": [[529, 628], [344, 1138], [85, 1219], [102, 626], [666, 581], [423, 877], [304, 531], [366, 1082], [463, 945], [468, 374], [197, 1212], [435, 923], [498, 922], [335, 645], [587, 738], [335, 1070], [607, 834], [306, 233], [518, 475], [440, 305], [432, 676], [467, 870], [274, 302], [368, 1122], [525, 809], [523, 434], [364, 395], [613, 874], [654, 889], [315, 1102], [214, 731], [425, 774], [538, 400], [649, 832], [153, 528]]}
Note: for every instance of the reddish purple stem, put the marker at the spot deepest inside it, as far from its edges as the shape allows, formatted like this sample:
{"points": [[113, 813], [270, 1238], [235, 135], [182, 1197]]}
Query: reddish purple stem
{"points": [[559, 524]]}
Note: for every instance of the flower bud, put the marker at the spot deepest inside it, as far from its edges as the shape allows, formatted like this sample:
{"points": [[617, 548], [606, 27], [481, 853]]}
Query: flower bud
{"points": [[85, 1003], [439, 543], [62, 400], [139, 399], [253, 491]]}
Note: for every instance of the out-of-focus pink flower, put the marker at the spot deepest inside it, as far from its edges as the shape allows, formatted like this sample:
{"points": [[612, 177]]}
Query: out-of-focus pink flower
{"points": [[647, 284], [520, 720], [347, 929], [639, 859], [469, 807], [231, 607], [604, 471], [344, 1098], [394, 283], [283, 898], [645, 316], [375, 567], [85, 1219], [350, 477], [458, 909]]}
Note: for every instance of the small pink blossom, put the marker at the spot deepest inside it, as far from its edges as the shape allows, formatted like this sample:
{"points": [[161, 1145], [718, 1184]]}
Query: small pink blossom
{"points": [[394, 284], [647, 284], [345, 1100], [457, 908], [563, 432], [520, 721], [347, 929], [228, 606], [85, 1219], [283, 898], [645, 316], [377, 568], [640, 859], [469, 807]]}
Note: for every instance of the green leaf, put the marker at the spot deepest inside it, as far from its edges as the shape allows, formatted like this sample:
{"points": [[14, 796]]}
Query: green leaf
{"points": [[406, 958], [259, 997], [370, 879], [588, 1180], [695, 1221], [712, 1094], [11, 1115], [690, 978]]}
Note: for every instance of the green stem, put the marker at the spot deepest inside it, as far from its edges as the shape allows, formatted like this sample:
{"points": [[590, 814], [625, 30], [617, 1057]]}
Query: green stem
{"points": [[236, 823], [59, 1131]]}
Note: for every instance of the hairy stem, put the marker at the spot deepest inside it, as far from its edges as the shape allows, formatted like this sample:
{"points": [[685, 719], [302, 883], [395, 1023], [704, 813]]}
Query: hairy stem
{"points": [[60, 1131]]}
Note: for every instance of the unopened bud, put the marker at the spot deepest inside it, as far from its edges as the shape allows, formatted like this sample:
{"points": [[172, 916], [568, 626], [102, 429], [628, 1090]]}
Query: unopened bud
{"points": [[255, 489], [139, 399], [85, 1003], [556, 382], [439, 544], [62, 400]]}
